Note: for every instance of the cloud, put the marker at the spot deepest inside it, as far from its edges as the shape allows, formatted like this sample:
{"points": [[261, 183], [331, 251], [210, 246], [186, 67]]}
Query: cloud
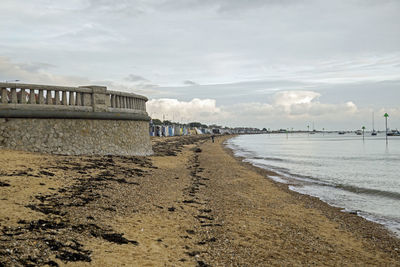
{"points": [[135, 78], [287, 99], [36, 73], [283, 107], [188, 82], [297, 104], [203, 110], [39, 73]]}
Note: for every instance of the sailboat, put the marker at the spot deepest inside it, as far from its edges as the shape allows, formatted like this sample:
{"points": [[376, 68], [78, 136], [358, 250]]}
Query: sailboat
{"points": [[373, 133], [313, 129]]}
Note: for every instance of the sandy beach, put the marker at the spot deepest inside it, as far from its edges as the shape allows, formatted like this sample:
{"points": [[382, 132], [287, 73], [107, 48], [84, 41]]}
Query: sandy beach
{"points": [[190, 204]]}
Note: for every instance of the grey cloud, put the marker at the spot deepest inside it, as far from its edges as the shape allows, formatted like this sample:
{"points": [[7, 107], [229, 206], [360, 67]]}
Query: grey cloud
{"points": [[135, 78], [188, 82], [35, 66], [36, 73]]}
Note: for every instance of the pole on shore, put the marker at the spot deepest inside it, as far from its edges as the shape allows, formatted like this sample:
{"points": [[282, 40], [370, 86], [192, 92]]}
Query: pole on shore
{"points": [[363, 128], [386, 116]]}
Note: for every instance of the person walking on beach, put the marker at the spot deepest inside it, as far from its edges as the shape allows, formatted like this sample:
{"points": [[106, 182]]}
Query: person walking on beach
{"points": [[212, 138]]}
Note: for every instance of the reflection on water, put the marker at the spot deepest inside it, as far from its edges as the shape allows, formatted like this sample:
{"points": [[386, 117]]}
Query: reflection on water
{"points": [[344, 170]]}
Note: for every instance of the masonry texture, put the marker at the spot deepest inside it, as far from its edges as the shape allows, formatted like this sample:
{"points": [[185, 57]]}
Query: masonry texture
{"points": [[76, 136]]}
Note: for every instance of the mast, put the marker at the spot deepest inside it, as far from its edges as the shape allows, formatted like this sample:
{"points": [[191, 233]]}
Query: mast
{"points": [[373, 127]]}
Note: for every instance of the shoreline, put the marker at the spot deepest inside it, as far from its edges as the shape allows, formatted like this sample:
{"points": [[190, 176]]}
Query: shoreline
{"points": [[296, 181], [190, 204], [363, 227]]}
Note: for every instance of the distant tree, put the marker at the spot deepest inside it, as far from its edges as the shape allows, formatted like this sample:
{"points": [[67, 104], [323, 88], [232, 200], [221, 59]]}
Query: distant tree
{"points": [[195, 124], [157, 122], [264, 129], [215, 126], [166, 122]]}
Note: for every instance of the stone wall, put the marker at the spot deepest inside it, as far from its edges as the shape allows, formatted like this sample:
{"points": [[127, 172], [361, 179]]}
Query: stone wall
{"points": [[76, 136]]}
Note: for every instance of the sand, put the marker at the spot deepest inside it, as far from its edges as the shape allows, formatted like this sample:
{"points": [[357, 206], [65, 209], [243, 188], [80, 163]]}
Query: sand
{"points": [[191, 204]]}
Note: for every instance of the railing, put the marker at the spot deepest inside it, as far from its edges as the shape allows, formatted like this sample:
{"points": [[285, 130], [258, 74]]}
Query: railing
{"points": [[34, 97], [127, 100]]}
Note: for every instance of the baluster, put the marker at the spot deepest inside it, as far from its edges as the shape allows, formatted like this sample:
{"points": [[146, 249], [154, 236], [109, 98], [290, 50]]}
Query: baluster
{"points": [[71, 98], [32, 96], [64, 98], [4, 95], [57, 97], [125, 102], [22, 96], [117, 101], [14, 99], [143, 105], [78, 99], [113, 101], [130, 102], [41, 97], [49, 100]]}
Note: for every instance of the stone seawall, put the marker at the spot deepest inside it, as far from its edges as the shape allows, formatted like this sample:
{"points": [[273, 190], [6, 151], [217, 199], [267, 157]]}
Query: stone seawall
{"points": [[76, 136]]}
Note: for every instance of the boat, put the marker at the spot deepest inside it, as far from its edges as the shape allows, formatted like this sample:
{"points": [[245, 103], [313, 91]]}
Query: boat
{"points": [[341, 132], [373, 133], [393, 133]]}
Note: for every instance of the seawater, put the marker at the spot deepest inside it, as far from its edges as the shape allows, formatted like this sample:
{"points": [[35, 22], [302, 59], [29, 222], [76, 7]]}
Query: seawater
{"points": [[345, 171]]}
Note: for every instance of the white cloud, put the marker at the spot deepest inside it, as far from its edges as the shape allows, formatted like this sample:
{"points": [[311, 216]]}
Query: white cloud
{"points": [[289, 98], [203, 110], [284, 106]]}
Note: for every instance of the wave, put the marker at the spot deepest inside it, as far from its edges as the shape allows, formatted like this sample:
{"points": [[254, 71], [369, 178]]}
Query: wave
{"points": [[368, 191], [316, 181]]}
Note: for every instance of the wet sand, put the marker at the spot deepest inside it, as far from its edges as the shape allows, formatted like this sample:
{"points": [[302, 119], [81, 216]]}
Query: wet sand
{"points": [[191, 204]]}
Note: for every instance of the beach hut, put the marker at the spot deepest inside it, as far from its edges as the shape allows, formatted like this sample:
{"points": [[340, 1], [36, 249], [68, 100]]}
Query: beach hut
{"points": [[152, 130], [177, 130], [197, 130], [164, 130], [184, 131], [170, 130]]}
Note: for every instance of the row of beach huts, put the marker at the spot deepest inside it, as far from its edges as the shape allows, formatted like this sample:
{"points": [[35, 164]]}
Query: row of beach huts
{"points": [[179, 130]]}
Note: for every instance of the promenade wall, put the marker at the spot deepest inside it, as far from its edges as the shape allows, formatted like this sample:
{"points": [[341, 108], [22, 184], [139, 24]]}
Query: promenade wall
{"points": [[88, 120]]}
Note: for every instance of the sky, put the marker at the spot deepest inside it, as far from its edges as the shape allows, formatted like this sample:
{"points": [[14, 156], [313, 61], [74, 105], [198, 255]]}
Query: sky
{"points": [[253, 63]]}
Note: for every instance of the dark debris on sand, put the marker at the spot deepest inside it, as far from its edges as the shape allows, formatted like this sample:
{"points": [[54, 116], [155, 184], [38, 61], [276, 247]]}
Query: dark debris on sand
{"points": [[66, 223]]}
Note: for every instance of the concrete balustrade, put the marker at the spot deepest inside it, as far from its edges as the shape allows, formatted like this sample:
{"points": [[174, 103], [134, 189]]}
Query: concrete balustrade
{"points": [[85, 120], [33, 100]]}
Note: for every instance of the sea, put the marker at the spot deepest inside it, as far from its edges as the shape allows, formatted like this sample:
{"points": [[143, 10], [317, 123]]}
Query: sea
{"points": [[359, 175]]}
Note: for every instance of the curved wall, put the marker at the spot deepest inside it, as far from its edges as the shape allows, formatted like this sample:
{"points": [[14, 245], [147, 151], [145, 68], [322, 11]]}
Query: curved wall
{"points": [[76, 136]]}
